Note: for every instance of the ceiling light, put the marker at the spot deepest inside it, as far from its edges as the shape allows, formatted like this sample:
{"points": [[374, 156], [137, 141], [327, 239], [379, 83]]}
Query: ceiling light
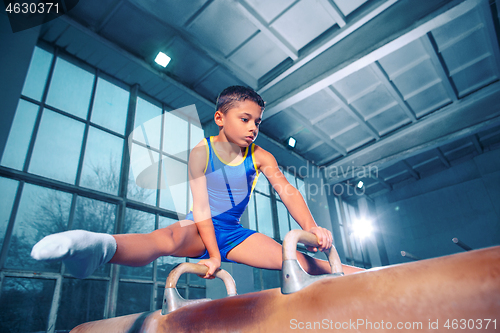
{"points": [[362, 228], [292, 142], [360, 184], [162, 59]]}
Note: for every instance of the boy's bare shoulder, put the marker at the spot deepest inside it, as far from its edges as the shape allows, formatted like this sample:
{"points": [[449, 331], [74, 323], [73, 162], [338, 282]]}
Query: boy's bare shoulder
{"points": [[259, 150], [198, 155], [202, 143], [262, 156]]}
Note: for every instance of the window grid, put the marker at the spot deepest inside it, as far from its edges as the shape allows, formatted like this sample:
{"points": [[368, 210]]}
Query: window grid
{"points": [[274, 198], [86, 131], [293, 180], [120, 201], [261, 222], [355, 253], [40, 110], [263, 278]]}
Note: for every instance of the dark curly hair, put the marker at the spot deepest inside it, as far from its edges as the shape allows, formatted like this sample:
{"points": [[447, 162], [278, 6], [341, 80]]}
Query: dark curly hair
{"points": [[230, 95]]}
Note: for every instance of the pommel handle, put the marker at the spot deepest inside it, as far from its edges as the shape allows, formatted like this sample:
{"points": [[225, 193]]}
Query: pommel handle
{"points": [[300, 236], [172, 300], [293, 276]]}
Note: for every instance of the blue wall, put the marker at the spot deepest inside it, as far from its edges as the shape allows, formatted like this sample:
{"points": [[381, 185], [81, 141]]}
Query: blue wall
{"points": [[463, 202]]}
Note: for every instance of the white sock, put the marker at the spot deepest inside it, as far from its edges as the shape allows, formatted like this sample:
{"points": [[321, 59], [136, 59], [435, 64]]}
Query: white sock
{"points": [[82, 252]]}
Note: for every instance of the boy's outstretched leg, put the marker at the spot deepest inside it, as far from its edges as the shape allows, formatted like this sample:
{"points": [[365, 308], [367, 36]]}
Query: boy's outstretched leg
{"points": [[83, 251], [179, 240], [261, 251]]}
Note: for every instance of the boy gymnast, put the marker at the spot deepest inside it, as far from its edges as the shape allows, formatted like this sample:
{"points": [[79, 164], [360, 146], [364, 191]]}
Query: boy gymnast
{"points": [[223, 171]]}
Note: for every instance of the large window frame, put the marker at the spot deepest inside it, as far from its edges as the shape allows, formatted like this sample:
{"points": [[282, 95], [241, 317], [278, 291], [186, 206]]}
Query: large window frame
{"points": [[188, 287]]}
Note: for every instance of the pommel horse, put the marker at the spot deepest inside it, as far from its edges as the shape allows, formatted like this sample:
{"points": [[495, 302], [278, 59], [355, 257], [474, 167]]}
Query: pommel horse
{"points": [[439, 294]]}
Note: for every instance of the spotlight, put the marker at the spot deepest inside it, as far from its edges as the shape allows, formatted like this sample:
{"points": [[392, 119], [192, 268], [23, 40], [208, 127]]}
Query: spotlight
{"points": [[162, 59], [360, 184], [362, 228], [292, 142]]}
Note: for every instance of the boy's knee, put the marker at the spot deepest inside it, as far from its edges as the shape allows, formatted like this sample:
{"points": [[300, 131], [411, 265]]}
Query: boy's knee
{"points": [[165, 240]]}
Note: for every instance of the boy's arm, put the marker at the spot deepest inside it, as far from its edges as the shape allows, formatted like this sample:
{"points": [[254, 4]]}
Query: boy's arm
{"points": [[201, 208], [292, 198]]}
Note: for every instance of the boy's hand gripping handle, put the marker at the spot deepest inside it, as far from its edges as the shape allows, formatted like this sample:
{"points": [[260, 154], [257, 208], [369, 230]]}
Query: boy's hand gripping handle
{"points": [[293, 276], [171, 298]]}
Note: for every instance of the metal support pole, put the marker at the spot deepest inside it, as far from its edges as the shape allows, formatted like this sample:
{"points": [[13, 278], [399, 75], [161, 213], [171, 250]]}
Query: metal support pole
{"points": [[409, 255], [461, 244]]}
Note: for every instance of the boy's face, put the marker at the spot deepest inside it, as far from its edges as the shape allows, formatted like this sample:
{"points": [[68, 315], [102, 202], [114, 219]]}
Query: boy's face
{"points": [[241, 123]]}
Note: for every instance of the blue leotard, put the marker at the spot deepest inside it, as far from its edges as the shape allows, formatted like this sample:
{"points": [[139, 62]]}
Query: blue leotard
{"points": [[229, 188]]}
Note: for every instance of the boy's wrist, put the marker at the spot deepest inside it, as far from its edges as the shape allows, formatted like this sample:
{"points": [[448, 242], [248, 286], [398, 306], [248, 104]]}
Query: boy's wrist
{"points": [[216, 260], [309, 227], [215, 256]]}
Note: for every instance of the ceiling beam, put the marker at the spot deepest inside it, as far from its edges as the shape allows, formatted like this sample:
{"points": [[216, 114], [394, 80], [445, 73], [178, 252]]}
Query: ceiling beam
{"points": [[391, 88], [381, 181], [334, 11], [209, 72], [443, 158], [197, 14], [412, 171], [284, 11], [412, 64], [376, 7], [395, 175], [335, 95], [393, 159], [470, 115], [313, 146], [492, 41], [346, 129], [477, 144], [490, 135], [423, 88], [113, 9], [469, 63], [439, 65], [317, 132], [323, 115], [296, 88], [216, 55], [454, 40], [261, 24], [360, 93], [382, 110]]}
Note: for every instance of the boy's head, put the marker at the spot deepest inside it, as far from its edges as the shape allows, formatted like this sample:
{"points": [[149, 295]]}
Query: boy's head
{"points": [[231, 95]]}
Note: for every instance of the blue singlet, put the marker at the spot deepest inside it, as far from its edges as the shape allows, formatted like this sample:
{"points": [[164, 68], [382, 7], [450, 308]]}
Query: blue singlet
{"points": [[229, 188]]}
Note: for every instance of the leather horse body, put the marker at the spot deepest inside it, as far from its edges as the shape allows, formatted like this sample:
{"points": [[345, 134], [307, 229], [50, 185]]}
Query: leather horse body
{"points": [[431, 292]]}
